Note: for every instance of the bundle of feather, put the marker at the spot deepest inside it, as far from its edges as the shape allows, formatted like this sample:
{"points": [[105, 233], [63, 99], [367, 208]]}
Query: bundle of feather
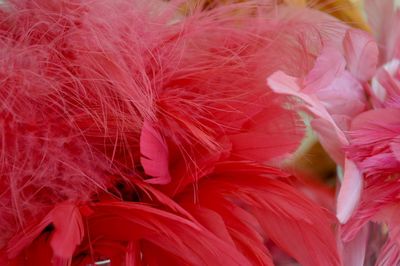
{"points": [[355, 103], [133, 135]]}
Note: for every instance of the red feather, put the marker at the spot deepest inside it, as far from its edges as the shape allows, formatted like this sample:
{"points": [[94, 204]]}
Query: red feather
{"points": [[67, 234], [180, 239], [272, 205]]}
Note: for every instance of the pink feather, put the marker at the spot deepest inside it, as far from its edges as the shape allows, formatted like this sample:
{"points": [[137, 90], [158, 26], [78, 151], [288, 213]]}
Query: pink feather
{"points": [[383, 18], [389, 255], [354, 251], [361, 53], [385, 86], [154, 155], [372, 134], [333, 93], [350, 191]]}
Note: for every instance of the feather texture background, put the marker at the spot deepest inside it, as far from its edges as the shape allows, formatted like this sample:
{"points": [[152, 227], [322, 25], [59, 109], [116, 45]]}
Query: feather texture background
{"points": [[137, 134]]}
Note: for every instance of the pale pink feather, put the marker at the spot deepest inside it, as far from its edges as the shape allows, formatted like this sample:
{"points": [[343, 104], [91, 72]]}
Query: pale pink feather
{"points": [[350, 191], [361, 53], [384, 19], [333, 96], [354, 251], [385, 86]]}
